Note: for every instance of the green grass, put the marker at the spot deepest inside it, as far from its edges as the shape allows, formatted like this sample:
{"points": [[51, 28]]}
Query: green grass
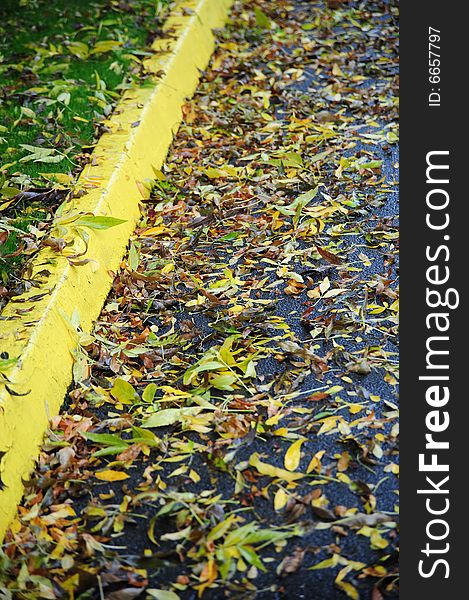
{"points": [[63, 65], [9, 262]]}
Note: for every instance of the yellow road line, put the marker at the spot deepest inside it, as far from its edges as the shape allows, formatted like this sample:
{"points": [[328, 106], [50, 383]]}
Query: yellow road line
{"points": [[35, 327]]}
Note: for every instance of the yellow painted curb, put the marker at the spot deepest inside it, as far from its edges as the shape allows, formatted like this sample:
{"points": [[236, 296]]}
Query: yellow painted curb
{"points": [[35, 327]]}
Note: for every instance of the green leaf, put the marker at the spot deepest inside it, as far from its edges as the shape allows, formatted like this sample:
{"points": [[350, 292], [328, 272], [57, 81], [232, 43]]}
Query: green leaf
{"points": [[94, 222], [149, 392], [226, 562], [251, 557], [38, 149], [9, 192], [303, 199], [106, 439], [371, 164], [221, 529], [134, 257], [145, 437], [211, 365], [6, 363], [169, 416], [123, 391], [291, 159], [114, 444], [110, 450], [79, 49], [297, 206], [262, 19], [319, 156], [39, 154], [223, 382], [225, 353]]}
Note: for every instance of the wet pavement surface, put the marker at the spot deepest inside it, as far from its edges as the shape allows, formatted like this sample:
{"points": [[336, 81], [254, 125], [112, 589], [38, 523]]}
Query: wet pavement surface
{"points": [[232, 430]]}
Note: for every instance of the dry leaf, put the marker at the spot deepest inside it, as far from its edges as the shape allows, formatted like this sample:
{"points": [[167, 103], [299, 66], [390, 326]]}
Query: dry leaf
{"points": [[331, 258]]}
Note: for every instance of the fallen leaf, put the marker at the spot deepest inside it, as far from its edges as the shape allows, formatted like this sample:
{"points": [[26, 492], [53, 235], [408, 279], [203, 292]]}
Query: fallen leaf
{"points": [[291, 564], [266, 469], [110, 475], [293, 455], [329, 256]]}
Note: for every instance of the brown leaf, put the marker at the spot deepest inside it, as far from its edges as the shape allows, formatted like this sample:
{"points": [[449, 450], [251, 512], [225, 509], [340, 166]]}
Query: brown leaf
{"points": [[323, 514], [361, 366], [362, 520], [130, 453], [65, 456], [331, 258], [142, 189], [317, 396], [292, 563], [376, 594], [57, 244]]}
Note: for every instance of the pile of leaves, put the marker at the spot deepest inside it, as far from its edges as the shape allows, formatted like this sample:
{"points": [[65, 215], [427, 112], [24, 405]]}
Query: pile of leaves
{"points": [[233, 426], [63, 65]]}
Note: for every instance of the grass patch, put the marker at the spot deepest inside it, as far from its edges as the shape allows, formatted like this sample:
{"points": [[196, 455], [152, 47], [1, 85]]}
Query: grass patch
{"points": [[9, 259], [63, 65]]}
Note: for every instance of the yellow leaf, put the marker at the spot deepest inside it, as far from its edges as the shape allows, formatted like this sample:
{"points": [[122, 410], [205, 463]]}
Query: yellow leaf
{"points": [[71, 584], [62, 511], [123, 391], [344, 585], [324, 285], [293, 455], [110, 475], [327, 424], [154, 231], [105, 46], [348, 589], [168, 268], [335, 389], [15, 527], [275, 419], [337, 71], [63, 178], [144, 191], [280, 499], [377, 541], [194, 476], [266, 469], [281, 431], [328, 563], [209, 571], [315, 464]]}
